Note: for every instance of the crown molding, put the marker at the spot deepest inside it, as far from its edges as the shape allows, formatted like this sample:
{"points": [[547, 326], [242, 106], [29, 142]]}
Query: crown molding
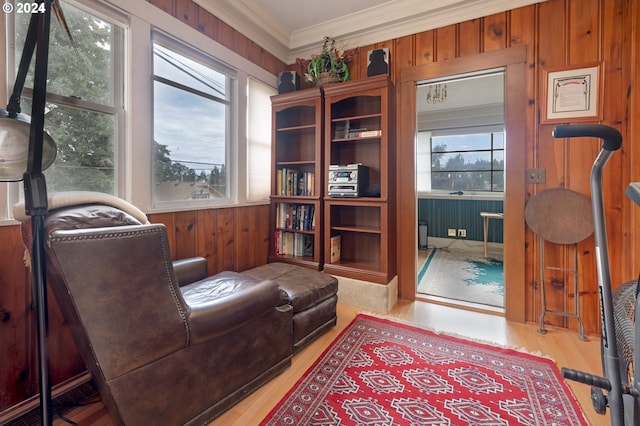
{"points": [[396, 18]]}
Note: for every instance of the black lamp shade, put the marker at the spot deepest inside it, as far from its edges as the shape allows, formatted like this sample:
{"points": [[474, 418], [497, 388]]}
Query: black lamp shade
{"points": [[14, 147]]}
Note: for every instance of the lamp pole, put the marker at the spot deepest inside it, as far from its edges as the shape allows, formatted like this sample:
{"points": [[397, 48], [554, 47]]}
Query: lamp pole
{"points": [[35, 194]]}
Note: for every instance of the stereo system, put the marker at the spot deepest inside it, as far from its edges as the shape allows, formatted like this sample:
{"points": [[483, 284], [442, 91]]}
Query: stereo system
{"points": [[347, 181]]}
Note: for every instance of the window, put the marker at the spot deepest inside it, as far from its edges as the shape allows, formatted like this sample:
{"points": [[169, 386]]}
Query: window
{"points": [[460, 142], [468, 162], [192, 99], [85, 99], [138, 112], [259, 141]]}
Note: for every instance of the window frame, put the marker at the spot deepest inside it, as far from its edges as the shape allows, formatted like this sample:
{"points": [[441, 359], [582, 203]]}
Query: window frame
{"points": [[170, 43], [141, 19], [440, 193], [12, 192], [491, 150]]}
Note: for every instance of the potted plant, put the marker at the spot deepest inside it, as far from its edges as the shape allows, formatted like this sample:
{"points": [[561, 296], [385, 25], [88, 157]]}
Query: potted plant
{"points": [[329, 66]]}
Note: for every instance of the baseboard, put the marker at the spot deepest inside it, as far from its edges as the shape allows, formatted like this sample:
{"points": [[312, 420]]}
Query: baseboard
{"points": [[367, 295]]}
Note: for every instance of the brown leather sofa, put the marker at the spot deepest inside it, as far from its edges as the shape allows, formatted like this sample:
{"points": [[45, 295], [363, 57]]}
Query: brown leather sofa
{"points": [[161, 348]]}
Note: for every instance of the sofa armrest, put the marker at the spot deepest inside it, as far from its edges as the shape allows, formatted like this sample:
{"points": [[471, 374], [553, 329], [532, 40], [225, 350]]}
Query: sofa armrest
{"points": [[190, 270]]}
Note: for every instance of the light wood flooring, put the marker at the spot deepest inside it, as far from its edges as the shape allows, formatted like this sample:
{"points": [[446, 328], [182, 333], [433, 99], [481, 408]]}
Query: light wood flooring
{"points": [[562, 345]]}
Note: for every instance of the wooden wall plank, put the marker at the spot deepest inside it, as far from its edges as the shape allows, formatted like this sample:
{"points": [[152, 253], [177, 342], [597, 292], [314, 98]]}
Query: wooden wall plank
{"points": [[252, 230], [225, 34], [18, 369], [242, 45], [206, 23], [523, 32], [404, 53], [185, 234], [425, 47], [469, 41], [446, 43], [495, 32], [583, 31], [630, 245], [206, 236], [224, 252], [166, 5], [618, 174], [185, 11]]}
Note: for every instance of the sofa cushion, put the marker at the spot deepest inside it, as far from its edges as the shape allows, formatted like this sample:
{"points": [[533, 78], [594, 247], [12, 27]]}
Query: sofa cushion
{"points": [[305, 287], [225, 301]]}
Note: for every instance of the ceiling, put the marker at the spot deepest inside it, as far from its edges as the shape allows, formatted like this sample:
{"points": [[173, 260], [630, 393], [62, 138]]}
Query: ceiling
{"points": [[295, 28]]}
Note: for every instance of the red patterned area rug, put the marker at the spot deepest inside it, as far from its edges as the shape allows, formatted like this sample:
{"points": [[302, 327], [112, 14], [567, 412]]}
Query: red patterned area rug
{"points": [[380, 372]]}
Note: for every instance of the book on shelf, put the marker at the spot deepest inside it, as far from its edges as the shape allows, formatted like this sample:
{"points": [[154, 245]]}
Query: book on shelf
{"points": [[293, 244], [335, 249], [369, 133], [292, 182], [364, 133], [342, 129], [299, 217]]}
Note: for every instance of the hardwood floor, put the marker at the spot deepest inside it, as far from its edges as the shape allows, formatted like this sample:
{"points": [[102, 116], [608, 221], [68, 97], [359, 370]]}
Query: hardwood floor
{"points": [[561, 345]]}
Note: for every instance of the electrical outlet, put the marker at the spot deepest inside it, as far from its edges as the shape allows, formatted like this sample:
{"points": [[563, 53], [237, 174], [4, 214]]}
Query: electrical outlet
{"points": [[462, 233], [451, 232], [536, 175]]}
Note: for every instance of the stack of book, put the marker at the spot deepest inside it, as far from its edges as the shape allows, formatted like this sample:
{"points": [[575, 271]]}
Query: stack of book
{"points": [[295, 216], [293, 244], [342, 129], [292, 182]]}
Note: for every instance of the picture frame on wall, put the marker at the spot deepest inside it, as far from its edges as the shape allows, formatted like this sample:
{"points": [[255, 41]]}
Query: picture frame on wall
{"points": [[572, 93]]}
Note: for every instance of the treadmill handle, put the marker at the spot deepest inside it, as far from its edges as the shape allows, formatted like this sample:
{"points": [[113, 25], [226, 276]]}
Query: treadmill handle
{"points": [[612, 137]]}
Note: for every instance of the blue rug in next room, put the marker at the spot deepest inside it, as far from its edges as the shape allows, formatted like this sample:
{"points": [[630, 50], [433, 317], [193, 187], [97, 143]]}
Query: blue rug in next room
{"points": [[462, 275]]}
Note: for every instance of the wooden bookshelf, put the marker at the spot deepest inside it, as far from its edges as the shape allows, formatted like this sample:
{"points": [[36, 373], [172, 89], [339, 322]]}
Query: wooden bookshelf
{"points": [[359, 129], [296, 188]]}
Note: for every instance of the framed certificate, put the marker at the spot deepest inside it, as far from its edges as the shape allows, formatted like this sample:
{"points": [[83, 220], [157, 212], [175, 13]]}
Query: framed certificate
{"points": [[572, 94]]}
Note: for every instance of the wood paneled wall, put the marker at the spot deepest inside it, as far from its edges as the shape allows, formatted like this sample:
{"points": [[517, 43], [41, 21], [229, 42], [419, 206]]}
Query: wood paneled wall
{"points": [[231, 239], [556, 33]]}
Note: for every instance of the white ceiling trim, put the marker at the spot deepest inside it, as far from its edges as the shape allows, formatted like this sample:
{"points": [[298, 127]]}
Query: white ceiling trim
{"points": [[387, 21]]}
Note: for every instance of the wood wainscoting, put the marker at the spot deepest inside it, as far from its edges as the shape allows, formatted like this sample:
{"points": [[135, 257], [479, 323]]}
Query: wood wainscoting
{"points": [[234, 239]]}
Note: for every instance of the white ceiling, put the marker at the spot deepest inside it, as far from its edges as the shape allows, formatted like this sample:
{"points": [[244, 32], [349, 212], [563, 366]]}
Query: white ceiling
{"points": [[295, 28]]}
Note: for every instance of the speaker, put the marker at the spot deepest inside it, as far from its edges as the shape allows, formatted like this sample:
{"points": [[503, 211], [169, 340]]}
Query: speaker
{"points": [[378, 62], [288, 81]]}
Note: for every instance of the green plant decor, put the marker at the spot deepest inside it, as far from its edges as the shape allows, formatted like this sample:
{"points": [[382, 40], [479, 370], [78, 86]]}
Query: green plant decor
{"points": [[329, 66]]}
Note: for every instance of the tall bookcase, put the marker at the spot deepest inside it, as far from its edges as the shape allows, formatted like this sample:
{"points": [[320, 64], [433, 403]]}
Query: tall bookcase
{"points": [[297, 182], [359, 128]]}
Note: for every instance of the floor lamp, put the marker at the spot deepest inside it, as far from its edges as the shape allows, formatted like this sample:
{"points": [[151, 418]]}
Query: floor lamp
{"points": [[25, 151]]}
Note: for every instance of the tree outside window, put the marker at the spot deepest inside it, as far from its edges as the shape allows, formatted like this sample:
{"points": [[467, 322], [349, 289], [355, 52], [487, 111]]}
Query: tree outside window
{"points": [[83, 101]]}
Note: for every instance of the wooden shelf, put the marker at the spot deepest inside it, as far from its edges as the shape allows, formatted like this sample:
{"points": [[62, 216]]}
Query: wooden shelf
{"points": [[364, 224], [297, 159]]}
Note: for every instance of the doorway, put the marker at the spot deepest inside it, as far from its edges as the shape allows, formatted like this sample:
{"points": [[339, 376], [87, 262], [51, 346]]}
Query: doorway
{"points": [[513, 61], [460, 186]]}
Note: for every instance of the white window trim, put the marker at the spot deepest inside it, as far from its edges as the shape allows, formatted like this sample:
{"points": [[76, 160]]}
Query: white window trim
{"points": [[140, 109], [468, 195], [232, 145]]}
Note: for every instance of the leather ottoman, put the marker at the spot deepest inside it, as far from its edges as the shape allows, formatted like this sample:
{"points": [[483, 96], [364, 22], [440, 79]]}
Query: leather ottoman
{"points": [[312, 294]]}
